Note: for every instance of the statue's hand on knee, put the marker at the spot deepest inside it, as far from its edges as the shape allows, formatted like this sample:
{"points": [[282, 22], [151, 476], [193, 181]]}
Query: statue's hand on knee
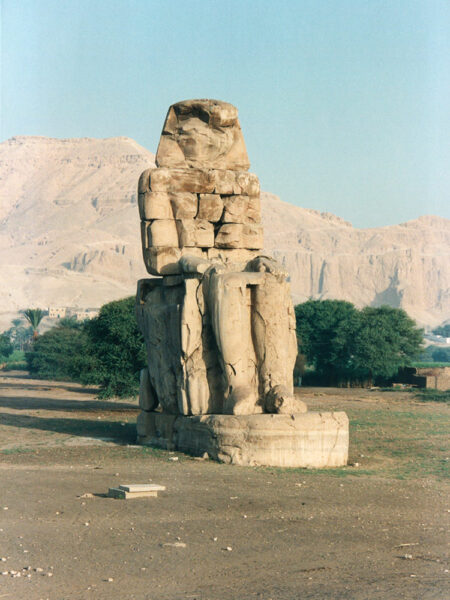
{"points": [[265, 264], [194, 264]]}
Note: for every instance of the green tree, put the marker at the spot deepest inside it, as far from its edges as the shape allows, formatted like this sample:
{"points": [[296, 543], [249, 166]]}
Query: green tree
{"points": [[326, 332], [386, 339], [441, 354], [19, 335], [345, 344], [6, 348], [115, 352], [55, 353], [443, 330], [34, 316]]}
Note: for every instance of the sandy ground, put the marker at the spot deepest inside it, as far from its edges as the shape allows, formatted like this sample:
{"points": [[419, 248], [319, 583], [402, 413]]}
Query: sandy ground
{"points": [[218, 532]]}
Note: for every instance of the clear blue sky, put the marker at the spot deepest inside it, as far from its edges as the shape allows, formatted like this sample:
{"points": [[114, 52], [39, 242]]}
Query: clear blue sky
{"points": [[344, 104]]}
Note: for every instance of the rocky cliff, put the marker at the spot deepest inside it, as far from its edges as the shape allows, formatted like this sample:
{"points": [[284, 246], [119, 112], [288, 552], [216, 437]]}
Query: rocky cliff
{"points": [[69, 236]]}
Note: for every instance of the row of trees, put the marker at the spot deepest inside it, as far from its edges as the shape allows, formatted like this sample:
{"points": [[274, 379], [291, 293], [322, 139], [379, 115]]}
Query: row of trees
{"points": [[345, 344], [443, 330], [342, 344], [19, 336], [107, 351]]}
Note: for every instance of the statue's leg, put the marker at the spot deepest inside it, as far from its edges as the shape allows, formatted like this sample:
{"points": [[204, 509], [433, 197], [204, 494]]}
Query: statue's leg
{"points": [[229, 305], [275, 343]]}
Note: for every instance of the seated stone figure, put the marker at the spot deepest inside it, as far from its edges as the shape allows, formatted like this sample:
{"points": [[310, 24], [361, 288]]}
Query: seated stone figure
{"points": [[218, 321]]}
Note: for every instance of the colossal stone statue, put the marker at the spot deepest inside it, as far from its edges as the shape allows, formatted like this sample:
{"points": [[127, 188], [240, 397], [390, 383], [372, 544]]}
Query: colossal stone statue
{"points": [[219, 325], [217, 319]]}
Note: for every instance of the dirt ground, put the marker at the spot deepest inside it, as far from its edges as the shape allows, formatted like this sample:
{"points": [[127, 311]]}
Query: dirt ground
{"points": [[375, 529]]}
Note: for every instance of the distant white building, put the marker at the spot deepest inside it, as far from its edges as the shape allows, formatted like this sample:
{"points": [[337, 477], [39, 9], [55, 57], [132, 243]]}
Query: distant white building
{"points": [[55, 312], [80, 314]]}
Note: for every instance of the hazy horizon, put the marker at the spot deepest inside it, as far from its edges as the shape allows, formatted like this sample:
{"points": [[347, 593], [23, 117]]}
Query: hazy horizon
{"points": [[343, 105]]}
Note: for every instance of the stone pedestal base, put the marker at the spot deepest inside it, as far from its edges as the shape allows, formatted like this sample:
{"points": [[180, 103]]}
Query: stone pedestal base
{"points": [[302, 440]]}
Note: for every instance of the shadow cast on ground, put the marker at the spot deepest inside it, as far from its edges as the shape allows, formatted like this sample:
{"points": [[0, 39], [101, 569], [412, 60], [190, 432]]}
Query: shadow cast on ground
{"points": [[105, 430], [44, 386], [59, 404]]}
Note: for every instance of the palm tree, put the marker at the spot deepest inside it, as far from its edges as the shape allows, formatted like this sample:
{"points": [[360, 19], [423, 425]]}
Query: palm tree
{"points": [[34, 316]]}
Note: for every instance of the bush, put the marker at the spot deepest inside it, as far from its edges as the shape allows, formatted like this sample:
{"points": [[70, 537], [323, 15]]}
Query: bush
{"points": [[326, 331], [441, 355], [55, 352], [115, 351], [351, 346], [107, 351], [386, 339], [6, 348]]}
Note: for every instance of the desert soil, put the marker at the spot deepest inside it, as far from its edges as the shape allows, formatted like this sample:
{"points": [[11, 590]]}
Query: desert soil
{"points": [[375, 529]]}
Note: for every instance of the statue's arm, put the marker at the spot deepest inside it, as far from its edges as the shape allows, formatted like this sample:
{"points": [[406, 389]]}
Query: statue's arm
{"points": [[266, 264], [194, 264]]}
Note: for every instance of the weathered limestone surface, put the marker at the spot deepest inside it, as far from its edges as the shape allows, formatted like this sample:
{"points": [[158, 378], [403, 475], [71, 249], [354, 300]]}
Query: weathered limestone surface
{"points": [[210, 207], [242, 209], [202, 133], [218, 321], [238, 235], [196, 233], [314, 440]]}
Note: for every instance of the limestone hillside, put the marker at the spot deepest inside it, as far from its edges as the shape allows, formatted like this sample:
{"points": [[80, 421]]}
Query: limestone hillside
{"points": [[69, 236]]}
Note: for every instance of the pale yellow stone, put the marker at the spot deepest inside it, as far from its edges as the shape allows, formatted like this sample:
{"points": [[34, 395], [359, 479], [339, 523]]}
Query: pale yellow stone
{"points": [[237, 257], [202, 133], [162, 261], [144, 235], [155, 205], [210, 207], [242, 209], [162, 233], [165, 261], [184, 205], [236, 235], [308, 440], [166, 205], [197, 181], [195, 233], [219, 327], [248, 183], [235, 182], [144, 181]]}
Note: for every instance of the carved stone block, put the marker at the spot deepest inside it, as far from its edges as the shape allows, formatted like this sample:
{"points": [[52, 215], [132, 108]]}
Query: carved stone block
{"points": [[162, 261], [236, 235], [197, 181], [184, 205], [144, 181], [210, 207], [235, 182], [162, 233], [195, 233], [241, 209], [165, 261], [154, 205]]}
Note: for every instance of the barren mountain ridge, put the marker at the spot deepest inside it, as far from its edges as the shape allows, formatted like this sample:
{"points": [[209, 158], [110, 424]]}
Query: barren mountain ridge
{"points": [[69, 236]]}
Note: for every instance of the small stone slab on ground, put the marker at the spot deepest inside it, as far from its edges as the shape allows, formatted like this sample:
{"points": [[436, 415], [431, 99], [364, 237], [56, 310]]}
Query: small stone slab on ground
{"points": [[142, 487], [135, 490]]}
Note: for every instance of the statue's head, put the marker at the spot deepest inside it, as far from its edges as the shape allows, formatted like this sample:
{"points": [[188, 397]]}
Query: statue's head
{"points": [[204, 134], [200, 200]]}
